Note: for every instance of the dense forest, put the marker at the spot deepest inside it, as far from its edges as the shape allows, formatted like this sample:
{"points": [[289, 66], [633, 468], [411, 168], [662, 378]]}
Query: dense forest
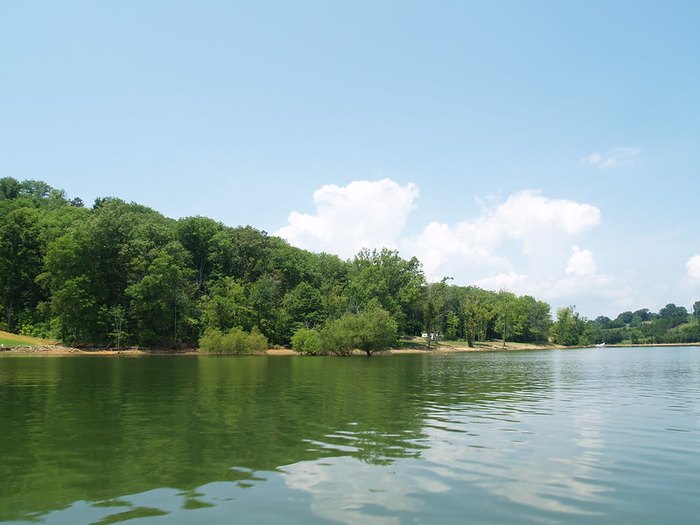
{"points": [[119, 274]]}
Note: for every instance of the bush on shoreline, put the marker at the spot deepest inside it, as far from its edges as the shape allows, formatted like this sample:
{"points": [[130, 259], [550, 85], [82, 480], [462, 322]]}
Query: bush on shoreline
{"points": [[371, 331], [235, 341], [306, 341]]}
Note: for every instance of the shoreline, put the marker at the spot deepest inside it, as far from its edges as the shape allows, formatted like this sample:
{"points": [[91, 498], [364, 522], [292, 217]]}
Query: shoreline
{"points": [[442, 348], [420, 348]]}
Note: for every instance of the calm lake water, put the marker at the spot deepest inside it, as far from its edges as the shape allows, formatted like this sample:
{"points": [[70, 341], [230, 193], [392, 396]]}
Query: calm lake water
{"points": [[574, 436]]}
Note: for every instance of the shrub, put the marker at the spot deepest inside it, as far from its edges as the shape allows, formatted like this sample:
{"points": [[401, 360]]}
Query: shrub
{"points": [[306, 341], [257, 342], [370, 331], [212, 342], [235, 341], [336, 336]]}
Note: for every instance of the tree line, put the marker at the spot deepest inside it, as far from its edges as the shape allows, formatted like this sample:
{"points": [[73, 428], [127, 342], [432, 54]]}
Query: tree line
{"points": [[119, 273], [672, 324]]}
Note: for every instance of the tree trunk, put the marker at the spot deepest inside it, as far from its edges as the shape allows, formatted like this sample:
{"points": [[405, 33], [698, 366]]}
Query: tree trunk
{"points": [[8, 311], [470, 339]]}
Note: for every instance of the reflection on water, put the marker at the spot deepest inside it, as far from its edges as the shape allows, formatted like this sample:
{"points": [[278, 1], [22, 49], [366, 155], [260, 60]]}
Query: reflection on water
{"points": [[580, 436]]}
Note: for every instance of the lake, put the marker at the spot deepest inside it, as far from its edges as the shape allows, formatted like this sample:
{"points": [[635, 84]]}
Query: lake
{"points": [[608, 435]]}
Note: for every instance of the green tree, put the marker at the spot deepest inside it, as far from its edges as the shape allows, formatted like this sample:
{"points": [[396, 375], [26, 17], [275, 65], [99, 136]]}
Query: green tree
{"points": [[452, 326], [674, 315], [625, 317], [21, 261], [108, 251], [225, 306], [537, 319], [569, 327], [370, 331], [303, 306], [265, 297], [242, 253], [477, 310], [9, 188], [306, 341], [510, 317], [161, 301], [435, 307], [332, 280], [75, 310], [395, 282], [197, 235], [117, 316]]}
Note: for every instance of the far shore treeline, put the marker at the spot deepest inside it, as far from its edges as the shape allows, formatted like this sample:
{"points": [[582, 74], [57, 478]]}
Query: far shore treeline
{"points": [[120, 274]]}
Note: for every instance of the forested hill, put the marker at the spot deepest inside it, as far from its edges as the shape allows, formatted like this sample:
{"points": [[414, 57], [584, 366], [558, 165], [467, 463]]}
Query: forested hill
{"points": [[120, 273]]}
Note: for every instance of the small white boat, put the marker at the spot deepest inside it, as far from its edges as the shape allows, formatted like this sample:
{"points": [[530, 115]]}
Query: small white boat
{"points": [[600, 345]]}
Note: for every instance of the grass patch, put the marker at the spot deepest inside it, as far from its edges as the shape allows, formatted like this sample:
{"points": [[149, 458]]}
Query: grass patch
{"points": [[7, 339], [414, 343]]}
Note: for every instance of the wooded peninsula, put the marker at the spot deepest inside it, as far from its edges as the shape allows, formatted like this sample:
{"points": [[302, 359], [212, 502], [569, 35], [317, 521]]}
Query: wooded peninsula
{"points": [[120, 274]]}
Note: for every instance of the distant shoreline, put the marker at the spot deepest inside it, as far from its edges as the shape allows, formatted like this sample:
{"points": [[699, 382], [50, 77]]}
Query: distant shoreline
{"points": [[441, 348]]}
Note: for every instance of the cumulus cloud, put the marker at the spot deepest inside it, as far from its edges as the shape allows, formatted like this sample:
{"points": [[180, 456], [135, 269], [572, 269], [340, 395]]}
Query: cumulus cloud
{"points": [[693, 268], [362, 214], [526, 212], [527, 243], [508, 281], [536, 224], [523, 244], [578, 282], [614, 158], [581, 262]]}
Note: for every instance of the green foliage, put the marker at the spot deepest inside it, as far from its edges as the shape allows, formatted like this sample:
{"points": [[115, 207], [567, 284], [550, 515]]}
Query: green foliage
{"points": [[234, 341], [569, 328], [452, 326], [161, 299], [21, 260], [673, 315], [75, 310], [197, 236], [9, 188], [120, 273], [477, 310], [510, 315], [371, 331], [226, 305], [117, 318], [306, 341], [397, 284]]}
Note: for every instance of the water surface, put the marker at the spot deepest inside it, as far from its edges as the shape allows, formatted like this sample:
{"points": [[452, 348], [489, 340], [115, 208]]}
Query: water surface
{"points": [[573, 436]]}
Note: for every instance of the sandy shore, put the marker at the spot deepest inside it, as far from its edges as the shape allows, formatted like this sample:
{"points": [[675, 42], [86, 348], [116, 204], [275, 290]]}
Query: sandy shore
{"points": [[441, 348]]}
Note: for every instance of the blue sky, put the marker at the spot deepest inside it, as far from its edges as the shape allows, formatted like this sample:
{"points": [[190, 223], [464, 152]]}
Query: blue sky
{"points": [[547, 147]]}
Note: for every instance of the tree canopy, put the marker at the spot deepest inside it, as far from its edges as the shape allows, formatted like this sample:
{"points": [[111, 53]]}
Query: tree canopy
{"points": [[120, 273]]}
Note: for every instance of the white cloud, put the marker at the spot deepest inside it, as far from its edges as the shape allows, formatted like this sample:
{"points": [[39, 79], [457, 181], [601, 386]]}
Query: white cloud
{"points": [[524, 243], [340, 489], [507, 281], [581, 262], [614, 158], [472, 249], [526, 212], [363, 214], [693, 268]]}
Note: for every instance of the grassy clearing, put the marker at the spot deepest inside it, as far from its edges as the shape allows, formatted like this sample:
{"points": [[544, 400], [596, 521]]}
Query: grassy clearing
{"points": [[8, 340], [419, 343], [414, 343]]}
